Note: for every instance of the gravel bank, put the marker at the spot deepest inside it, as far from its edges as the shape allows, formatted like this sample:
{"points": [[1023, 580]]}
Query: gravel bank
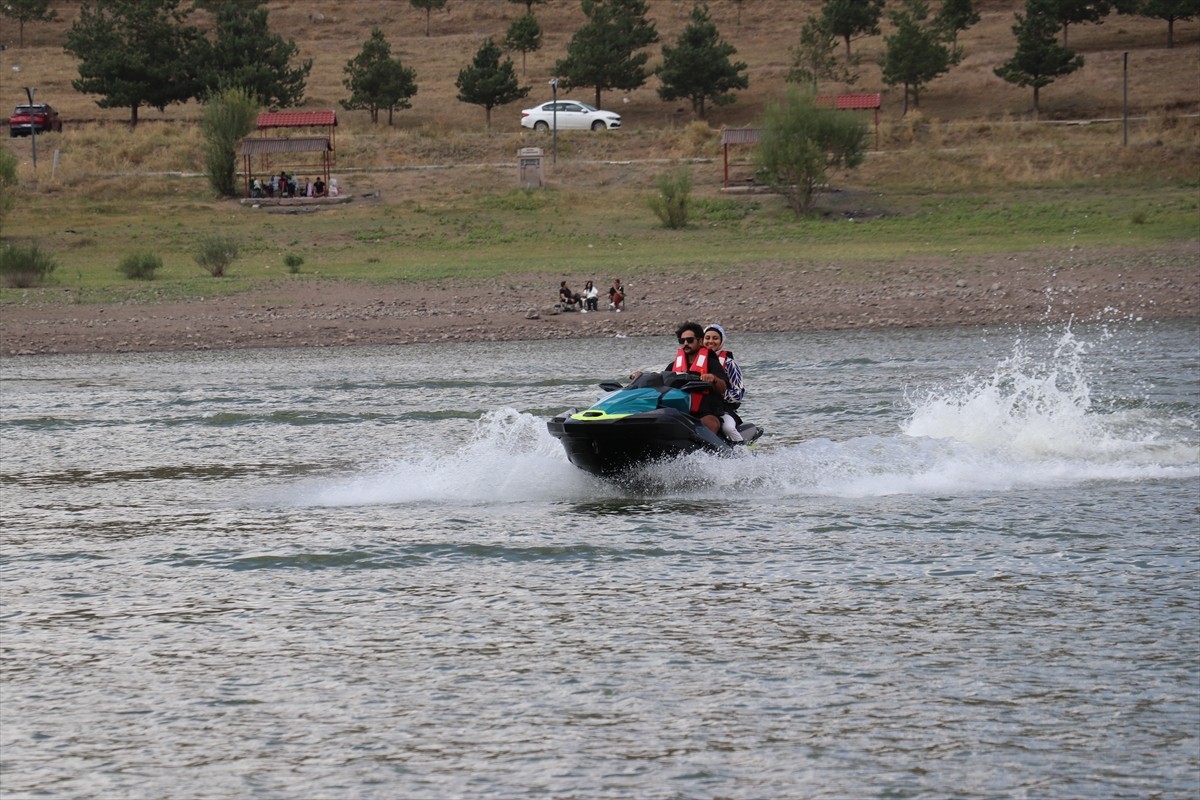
{"points": [[1048, 286]]}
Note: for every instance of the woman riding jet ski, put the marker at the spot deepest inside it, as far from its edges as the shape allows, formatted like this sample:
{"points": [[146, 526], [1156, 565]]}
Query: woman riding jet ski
{"points": [[656, 416], [649, 419]]}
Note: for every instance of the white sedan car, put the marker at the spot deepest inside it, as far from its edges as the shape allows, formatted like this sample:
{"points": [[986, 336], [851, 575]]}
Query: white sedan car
{"points": [[572, 115]]}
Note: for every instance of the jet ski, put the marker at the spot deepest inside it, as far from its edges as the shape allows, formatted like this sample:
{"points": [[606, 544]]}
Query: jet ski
{"points": [[643, 421]]}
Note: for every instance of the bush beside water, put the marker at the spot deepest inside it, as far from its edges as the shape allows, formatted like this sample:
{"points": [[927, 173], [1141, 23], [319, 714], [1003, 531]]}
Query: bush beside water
{"points": [[140, 266], [216, 253], [670, 205], [23, 267]]}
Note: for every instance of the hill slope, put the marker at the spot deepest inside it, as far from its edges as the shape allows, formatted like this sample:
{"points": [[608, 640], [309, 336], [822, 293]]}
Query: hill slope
{"points": [[332, 32]]}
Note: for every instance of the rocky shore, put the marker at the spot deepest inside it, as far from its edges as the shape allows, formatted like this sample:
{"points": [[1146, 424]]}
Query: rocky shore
{"points": [[1048, 286]]}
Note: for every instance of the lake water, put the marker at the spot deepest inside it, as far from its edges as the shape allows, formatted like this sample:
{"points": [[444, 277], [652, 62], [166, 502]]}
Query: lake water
{"points": [[962, 563]]}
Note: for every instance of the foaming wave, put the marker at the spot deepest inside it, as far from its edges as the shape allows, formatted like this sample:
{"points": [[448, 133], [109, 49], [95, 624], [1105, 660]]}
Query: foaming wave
{"points": [[1024, 406], [1030, 410], [510, 457], [1032, 422], [876, 466]]}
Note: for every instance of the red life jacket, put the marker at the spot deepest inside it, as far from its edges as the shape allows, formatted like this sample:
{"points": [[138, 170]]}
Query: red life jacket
{"points": [[699, 365]]}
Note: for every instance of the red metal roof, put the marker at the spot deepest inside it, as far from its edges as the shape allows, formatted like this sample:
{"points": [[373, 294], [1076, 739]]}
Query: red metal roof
{"points": [[296, 119], [845, 102]]}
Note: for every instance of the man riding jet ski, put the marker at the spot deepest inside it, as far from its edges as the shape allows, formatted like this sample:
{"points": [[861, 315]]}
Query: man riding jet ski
{"points": [[656, 416]]}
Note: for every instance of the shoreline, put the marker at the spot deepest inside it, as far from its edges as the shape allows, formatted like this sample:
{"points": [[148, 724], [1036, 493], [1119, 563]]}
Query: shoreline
{"points": [[1043, 287]]}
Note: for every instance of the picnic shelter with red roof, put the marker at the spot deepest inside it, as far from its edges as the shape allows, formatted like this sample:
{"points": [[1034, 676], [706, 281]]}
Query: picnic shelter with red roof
{"points": [[305, 152]]}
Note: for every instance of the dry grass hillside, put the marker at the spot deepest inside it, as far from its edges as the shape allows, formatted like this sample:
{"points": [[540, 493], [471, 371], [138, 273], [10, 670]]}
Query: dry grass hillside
{"points": [[330, 32], [961, 136]]}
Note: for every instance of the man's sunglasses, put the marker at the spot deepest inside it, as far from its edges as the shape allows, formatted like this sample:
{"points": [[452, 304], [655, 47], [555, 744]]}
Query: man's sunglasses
{"points": [[686, 339]]}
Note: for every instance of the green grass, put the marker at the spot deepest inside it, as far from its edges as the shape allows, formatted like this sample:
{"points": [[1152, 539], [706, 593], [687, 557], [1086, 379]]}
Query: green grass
{"points": [[489, 234]]}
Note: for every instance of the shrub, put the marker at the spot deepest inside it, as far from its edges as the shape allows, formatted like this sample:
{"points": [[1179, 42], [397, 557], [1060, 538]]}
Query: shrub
{"points": [[801, 145], [670, 205], [8, 180], [140, 266], [22, 267], [216, 253], [228, 116], [293, 262]]}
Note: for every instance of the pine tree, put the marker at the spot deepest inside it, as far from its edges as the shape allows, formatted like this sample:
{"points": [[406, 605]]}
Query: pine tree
{"points": [[1075, 11], [27, 11], [135, 53], [915, 54], [849, 18], [245, 53], [1170, 11], [955, 16], [603, 51], [528, 4], [488, 82], [1039, 58], [698, 67], [377, 81], [428, 6], [814, 60], [524, 35], [739, 4]]}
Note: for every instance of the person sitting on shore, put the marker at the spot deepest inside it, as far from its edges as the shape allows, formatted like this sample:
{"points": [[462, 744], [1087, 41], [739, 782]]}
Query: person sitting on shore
{"points": [[591, 297], [567, 298], [319, 187], [616, 295]]}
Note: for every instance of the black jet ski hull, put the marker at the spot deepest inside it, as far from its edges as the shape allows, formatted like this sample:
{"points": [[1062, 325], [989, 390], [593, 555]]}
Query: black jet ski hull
{"points": [[610, 447]]}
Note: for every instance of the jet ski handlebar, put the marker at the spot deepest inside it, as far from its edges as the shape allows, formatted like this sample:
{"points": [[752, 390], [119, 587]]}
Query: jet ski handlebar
{"points": [[684, 381]]}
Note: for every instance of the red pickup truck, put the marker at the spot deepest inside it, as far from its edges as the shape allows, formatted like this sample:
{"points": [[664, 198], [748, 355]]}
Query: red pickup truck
{"points": [[36, 118]]}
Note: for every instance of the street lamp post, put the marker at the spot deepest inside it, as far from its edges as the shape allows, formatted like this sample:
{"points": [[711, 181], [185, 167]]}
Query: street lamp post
{"points": [[32, 128], [554, 121]]}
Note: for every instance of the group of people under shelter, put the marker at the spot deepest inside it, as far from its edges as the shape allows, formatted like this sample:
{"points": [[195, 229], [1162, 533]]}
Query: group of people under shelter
{"points": [[702, 351], [589, 299], [284, 185]]}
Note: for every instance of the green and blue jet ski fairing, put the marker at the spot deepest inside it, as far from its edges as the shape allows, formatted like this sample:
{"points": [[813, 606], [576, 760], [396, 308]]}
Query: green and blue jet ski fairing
{"points": [[646, 420]]}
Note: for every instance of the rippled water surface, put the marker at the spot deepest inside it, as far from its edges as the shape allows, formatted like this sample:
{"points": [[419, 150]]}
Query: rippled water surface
{"points": [[961, 564]]}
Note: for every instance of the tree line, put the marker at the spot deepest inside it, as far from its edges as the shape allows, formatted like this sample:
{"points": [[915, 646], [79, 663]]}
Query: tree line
{"points": [[151, 53], [137, 53], [924, 45]]}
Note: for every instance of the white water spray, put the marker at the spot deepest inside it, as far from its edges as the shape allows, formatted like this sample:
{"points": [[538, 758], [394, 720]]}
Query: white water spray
{"points": [[1031, 422]]}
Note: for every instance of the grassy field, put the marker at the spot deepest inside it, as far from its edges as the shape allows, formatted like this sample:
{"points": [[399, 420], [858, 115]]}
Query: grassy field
{"points": [[434, 196]]}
